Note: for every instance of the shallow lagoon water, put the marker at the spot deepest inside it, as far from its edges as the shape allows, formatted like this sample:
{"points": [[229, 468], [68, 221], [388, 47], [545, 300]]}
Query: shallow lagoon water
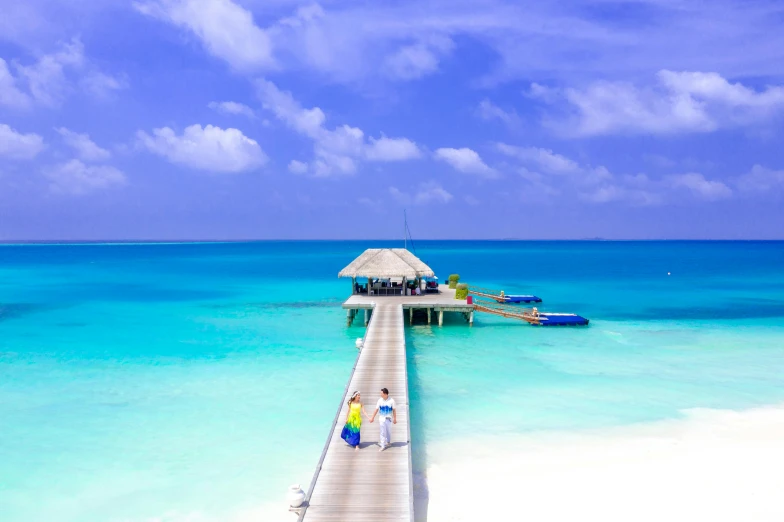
{"points": [[196, 381]]}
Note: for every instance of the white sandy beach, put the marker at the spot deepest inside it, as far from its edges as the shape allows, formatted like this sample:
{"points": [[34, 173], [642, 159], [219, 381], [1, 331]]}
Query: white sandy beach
{"points": [[711, 465]]}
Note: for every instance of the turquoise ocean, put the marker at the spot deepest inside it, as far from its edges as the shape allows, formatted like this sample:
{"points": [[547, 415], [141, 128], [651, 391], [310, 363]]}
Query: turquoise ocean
{"points": [[196, 381]]}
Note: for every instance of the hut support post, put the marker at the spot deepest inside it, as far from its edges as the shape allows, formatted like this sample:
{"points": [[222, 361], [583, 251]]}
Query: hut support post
{"points": [[410, 316], [471, 318], [429, 313], [366, 316], [349, 317], [440, 318]]}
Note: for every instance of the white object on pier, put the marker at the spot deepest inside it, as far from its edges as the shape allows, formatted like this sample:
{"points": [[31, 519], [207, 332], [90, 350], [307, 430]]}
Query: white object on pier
{"points": [[296, 496]]}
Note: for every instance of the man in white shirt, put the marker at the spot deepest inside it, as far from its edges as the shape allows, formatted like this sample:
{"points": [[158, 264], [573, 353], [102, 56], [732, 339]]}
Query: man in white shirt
{"points": [[386, 406]]}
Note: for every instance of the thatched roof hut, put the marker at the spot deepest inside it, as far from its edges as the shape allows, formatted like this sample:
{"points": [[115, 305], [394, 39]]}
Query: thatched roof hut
{"points": [[387, 263]]}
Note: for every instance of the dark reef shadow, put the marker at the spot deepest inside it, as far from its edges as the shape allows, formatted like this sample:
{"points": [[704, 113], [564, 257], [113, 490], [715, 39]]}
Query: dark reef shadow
{"points": [[17, 310]]}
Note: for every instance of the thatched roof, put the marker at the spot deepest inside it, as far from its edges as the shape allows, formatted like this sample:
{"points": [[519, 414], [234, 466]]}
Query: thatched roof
{"points": [[387, 262]]}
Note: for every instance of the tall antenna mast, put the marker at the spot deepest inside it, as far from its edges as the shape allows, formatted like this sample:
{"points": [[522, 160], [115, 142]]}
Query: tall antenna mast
{"points": [[407, 233], [405, 230]]}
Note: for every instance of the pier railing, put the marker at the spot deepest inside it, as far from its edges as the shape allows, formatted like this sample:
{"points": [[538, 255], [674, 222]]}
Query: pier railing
{"points": [[483, 290], [526, 314], [489, 293]]}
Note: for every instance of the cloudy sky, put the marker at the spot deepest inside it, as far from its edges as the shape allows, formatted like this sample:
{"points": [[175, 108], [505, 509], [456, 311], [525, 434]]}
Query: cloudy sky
{"points": [[256, 119]]}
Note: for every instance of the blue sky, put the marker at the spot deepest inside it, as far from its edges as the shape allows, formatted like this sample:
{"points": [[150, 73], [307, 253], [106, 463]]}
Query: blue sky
{"points": [[228, 119]]}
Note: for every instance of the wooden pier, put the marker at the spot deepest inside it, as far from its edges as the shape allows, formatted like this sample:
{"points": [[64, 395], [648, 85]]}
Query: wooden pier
{"points": [[368, 485]]}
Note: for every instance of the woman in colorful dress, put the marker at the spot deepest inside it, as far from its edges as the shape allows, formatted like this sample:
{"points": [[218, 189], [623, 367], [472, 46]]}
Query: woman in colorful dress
{"points": [[350, 431]]}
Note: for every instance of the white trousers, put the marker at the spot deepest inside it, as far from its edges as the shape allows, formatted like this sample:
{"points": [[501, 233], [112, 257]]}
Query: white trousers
{"points": [[384, 435]]}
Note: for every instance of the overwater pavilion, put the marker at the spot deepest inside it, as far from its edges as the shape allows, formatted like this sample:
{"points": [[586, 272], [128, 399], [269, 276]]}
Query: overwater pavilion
{"points": [[389, 271], [343, 476]]}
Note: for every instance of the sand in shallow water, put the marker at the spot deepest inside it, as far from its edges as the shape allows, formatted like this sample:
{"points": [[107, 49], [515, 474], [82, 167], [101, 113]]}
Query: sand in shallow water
{"points": [[712, 465]]}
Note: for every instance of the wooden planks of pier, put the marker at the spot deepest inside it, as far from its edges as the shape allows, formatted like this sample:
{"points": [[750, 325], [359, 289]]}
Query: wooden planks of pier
{"points": [[368, 485]]}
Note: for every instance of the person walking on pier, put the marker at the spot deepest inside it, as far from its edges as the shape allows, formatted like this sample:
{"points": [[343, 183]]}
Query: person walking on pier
{"points": [[386, 406], [350, 431]]}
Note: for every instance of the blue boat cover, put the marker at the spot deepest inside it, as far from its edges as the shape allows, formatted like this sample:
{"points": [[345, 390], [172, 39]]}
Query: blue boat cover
{"points": [[561, 320], [522, 299]]}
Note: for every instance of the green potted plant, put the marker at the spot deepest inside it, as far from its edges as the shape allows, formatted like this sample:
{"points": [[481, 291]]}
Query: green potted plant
{"points": [[461, 292], [453, 279]]}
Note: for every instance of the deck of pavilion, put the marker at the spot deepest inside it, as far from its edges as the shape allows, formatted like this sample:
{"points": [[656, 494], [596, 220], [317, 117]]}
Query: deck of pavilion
{"points": [[434, 304]]}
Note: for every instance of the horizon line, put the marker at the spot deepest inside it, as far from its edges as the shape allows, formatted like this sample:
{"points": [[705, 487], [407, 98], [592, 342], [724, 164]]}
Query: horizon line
{"points": [[227, 241]]}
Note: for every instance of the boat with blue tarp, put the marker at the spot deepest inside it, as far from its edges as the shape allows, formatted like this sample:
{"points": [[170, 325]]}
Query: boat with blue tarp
{"points": [[519, 299]]}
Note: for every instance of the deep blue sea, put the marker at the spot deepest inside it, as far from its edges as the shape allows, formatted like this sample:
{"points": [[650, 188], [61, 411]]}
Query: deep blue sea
{"points": [[196, 381]]}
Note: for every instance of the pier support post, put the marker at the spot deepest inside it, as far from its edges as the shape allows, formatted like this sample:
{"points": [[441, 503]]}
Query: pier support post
{"points": [[440, 318], [471, 318], [366, 316], [410, 316], [349, 317], [429, 313]]}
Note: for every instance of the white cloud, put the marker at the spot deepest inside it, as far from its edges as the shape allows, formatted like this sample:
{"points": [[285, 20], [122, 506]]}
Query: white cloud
{"points": [[102, 85], [226, 29], [352, 42], [428, 192], [338, 151], [703, 188], [432, 191], [298, 167], [761, 179], [76, 178], [210, 148], [283, 105], [545, 159], [487, 110], [85, 148], [230, 107], [540, 167], [10, 95], [415, 61], [713, 87], [680, 102], [641, 190], [545, 170], [49, 80], [46, 78], [465, 160], [391, 149], [15, 145]]}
